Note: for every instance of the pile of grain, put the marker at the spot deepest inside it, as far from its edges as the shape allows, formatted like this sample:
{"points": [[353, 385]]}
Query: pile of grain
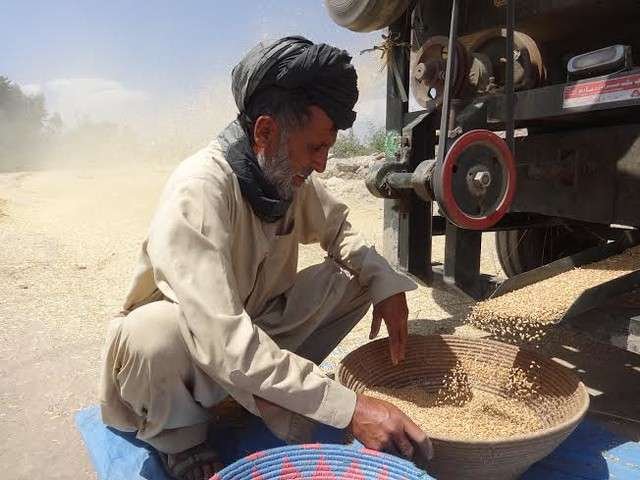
{"points": [[460, 411], [526, 315]]}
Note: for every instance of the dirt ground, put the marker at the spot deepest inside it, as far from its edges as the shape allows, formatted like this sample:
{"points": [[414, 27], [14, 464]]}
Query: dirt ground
{"points": [[69, 239]]}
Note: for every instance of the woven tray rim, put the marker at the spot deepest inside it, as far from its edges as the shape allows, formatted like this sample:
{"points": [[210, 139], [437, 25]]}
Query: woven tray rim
{"points": [[397, 467]]}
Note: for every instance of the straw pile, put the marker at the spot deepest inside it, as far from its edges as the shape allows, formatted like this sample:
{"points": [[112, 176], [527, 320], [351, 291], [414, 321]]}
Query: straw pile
{"points": [[459, 411], [525, 315]]}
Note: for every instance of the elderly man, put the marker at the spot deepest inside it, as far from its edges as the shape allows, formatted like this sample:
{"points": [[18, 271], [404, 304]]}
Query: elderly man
{"points": [[217, 307]]}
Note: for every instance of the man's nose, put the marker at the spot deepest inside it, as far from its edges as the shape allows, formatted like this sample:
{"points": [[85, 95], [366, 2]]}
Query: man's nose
{"points": [[320, 163]]}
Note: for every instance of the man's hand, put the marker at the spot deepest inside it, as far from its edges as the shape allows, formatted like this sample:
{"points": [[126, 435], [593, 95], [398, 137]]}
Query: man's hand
{"points": [[394, 312], [381, 426]]}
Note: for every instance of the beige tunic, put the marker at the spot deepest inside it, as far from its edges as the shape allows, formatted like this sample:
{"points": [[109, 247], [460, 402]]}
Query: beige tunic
{"points": [[208, 252]]}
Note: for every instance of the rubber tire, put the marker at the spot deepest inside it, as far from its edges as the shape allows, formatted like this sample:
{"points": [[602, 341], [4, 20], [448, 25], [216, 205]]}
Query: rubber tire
{"points": [[522, 250], [365, 15]]}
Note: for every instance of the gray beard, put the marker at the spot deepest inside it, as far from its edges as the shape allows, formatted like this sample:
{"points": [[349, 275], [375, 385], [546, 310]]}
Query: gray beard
{"points": [[277, 170]]}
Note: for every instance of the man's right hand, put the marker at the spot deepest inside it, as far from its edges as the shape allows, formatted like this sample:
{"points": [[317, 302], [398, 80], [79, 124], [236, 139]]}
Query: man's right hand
{"points": [[378, 425]]}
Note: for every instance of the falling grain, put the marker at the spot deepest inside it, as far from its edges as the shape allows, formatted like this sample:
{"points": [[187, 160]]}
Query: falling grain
{"points": [[526, 315]]}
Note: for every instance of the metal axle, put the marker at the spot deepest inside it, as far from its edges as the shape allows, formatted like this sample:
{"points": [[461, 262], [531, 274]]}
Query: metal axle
{"points": [[389, 179]]}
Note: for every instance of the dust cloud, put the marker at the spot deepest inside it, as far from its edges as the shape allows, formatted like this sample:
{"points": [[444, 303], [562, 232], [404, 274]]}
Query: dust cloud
{"points": [[145, 134], [96, 123]]}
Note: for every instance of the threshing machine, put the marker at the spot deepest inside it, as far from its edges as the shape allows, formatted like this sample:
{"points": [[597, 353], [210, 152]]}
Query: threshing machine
{"points": [[526, 123]]}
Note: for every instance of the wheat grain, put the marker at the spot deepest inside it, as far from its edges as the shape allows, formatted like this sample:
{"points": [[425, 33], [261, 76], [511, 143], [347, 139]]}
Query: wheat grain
{"points": [[460, 410], [526, 315]]}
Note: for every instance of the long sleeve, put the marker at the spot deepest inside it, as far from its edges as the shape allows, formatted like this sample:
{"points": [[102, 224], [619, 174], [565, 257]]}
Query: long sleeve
{"points": [[325, 221], [189, 248]]}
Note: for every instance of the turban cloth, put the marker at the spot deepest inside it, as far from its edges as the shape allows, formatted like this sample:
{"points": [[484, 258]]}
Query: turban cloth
{"points": [[324, 73]]}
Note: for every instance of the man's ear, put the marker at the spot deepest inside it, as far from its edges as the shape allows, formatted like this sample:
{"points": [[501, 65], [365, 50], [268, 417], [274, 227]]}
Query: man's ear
{"points": [[265, 135]]}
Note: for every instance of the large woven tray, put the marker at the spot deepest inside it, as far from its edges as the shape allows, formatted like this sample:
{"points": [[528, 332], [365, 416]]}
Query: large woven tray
{"points": [[320, 462], [562, 403]]}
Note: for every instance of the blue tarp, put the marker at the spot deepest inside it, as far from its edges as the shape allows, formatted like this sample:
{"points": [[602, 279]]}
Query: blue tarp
{"points": [[590, 453]]}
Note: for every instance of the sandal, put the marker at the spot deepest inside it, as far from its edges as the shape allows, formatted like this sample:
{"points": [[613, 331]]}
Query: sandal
{"points": [[193, 459]]}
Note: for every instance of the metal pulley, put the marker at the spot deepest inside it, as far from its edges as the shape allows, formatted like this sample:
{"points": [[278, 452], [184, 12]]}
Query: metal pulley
{"points": [[476, 182], [488, 52], [428, 70], [474, 185], [365, 15]]}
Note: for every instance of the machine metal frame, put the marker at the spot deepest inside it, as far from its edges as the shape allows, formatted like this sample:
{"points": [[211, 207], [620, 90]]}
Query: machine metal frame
{"points": [[559, 160]]}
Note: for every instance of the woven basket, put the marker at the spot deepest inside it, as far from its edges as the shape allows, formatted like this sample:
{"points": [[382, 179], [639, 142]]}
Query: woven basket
{"points": [[320, 462], [562, 403]]}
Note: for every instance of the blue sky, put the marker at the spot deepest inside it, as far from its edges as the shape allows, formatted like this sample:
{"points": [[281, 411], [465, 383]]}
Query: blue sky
{"points": [[129, 61]]}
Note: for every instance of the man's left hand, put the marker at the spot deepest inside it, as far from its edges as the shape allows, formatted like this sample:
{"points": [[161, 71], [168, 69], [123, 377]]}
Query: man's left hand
{"points": [[395, 313]]}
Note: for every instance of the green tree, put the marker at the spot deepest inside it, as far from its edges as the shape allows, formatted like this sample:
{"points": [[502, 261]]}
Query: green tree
{"points": [[376, 140], [22, 121], [349, 145]]}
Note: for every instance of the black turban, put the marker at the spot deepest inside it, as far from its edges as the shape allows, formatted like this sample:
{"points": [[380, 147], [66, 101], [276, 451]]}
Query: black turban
{"points": [[324, 73]]}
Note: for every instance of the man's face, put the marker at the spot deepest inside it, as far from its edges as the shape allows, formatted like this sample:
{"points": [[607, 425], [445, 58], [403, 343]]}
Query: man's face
{"points": [[288, 158], [308, 147]]}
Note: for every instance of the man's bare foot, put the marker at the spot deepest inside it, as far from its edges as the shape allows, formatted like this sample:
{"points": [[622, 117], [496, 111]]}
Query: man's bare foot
{"points": [[198, 463]]}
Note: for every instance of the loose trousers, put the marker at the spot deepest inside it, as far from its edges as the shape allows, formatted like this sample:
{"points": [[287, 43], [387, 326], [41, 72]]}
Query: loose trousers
{"points": [[151, 385]]}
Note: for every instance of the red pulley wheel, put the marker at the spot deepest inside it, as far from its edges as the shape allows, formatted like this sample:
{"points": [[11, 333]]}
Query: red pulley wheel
{"points": [[476, 182]]}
